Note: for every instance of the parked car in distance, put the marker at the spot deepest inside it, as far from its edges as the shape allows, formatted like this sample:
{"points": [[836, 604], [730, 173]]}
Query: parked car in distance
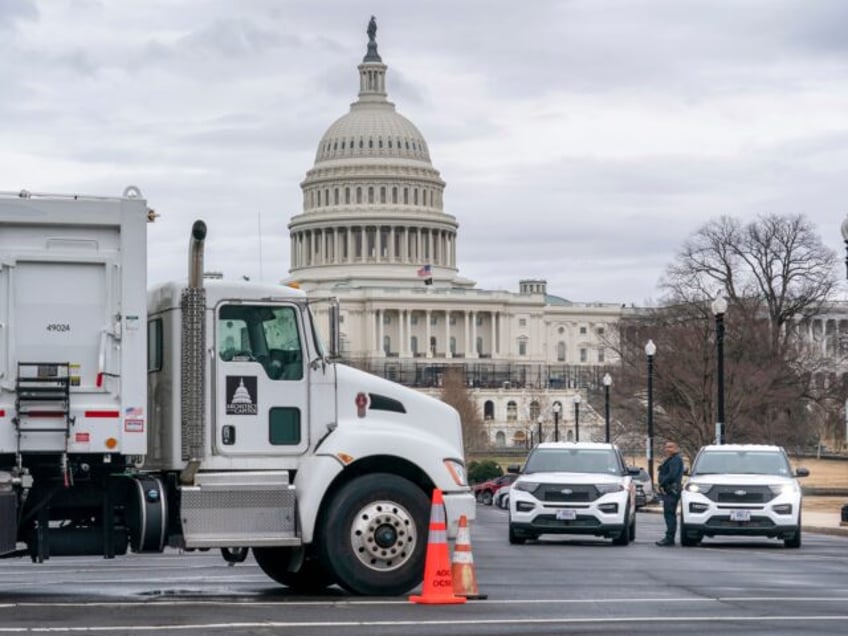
{"points": [[501, 497], [742, 489], [573, 488], [485, 491], [644, 488]]}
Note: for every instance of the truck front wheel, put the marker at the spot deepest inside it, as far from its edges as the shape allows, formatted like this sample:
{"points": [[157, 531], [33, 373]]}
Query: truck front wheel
{"points": [[311, 577], [374, 535]]}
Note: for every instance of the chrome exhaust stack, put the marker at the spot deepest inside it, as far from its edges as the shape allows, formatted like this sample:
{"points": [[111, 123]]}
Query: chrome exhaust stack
{"points": [[193, 360]]}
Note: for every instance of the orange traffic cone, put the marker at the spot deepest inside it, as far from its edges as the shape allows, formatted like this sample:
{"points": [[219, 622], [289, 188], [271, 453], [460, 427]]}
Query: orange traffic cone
{"points": [[437, 588], [462, 566]]}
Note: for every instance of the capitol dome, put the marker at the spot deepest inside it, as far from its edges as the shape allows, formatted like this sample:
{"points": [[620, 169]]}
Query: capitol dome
{"points": [[373, 202]]}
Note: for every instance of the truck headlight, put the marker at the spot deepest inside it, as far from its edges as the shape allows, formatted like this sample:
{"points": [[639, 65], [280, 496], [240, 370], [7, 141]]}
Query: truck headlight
{"points": [[701, 488], [457, 471]]}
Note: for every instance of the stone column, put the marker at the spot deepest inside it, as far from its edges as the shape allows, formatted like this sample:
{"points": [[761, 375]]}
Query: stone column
{"points": [[380, 313], [427, 335], [473, 346], [448, 353]]}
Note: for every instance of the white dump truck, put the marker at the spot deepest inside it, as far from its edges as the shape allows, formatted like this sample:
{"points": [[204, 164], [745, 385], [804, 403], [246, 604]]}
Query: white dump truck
{"points": [[198, 415]]}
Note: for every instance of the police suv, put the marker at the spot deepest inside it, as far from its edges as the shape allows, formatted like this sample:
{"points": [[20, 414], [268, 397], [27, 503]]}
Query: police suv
{"points": [[573, 488], [742, 489]]}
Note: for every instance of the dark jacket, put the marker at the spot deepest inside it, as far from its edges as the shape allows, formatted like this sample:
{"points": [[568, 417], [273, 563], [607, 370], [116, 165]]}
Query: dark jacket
{"points": [[671, 475]]}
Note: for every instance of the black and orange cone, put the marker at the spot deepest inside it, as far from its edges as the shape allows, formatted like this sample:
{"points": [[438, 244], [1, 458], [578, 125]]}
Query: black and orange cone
{"points": [[462, 566], [437, 588]]}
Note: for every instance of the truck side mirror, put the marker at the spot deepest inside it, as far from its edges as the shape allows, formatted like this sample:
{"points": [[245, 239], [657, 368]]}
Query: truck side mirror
{"points": [[802, 472]]}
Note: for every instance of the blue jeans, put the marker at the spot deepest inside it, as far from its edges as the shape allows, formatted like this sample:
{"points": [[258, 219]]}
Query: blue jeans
{"points": [[670, 514]]}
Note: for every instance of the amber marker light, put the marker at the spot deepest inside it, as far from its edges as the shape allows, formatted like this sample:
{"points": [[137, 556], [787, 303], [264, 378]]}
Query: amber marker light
{"points": [[344, 458], [111, 443]]}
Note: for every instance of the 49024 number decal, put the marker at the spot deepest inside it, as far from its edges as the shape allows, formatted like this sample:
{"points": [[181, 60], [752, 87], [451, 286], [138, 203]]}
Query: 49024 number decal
{"points": [[58, 326]]}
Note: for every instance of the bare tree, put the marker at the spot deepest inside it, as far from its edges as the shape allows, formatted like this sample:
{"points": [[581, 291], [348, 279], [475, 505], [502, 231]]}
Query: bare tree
{"points": [[455, 393], [776, 273], [775, 267]]}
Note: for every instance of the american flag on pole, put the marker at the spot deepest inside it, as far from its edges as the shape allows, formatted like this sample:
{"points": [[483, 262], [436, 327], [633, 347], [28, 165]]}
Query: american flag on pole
{"points": [[426, 272]]}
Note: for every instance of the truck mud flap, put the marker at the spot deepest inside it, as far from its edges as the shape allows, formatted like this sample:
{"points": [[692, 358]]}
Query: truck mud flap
{"points": [[8, 522], [223, 510]]}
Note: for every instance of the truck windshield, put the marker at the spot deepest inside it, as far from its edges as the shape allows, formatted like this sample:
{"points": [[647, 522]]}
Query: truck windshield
{"points": [[742, 462], [574, 460]]}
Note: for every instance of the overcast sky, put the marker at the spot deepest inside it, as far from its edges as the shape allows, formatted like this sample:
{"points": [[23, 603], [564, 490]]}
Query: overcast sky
{"points": [[581, 141]]}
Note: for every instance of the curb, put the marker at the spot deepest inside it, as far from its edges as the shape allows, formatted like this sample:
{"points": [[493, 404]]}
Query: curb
{"points": [[841, 531], [835, 531]]}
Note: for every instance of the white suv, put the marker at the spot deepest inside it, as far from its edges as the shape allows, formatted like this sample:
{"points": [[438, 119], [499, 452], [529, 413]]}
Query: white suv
{"points": [[742, 489], [573, 488]]}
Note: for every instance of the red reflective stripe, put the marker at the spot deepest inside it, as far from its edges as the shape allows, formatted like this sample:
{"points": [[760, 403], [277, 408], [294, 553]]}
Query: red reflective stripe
{"points": [[44, 414], [102, 414], [2, 413], [98, 382]]}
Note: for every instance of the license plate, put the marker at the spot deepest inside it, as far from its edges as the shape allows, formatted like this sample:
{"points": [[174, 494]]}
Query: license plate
{"points": [[566, 515], [740, 515]]}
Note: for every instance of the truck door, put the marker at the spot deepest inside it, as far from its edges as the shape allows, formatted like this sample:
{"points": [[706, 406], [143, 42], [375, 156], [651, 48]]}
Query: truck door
{"points": [[261, 380]]}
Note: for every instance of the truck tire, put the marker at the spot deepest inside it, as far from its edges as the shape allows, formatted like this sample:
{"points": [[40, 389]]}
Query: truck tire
{"points": [[374, 535], [311, 577], [688, 538]]}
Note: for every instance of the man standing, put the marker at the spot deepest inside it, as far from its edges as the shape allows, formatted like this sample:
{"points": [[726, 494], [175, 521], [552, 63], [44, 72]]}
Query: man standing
{"points": [[670, 478]]}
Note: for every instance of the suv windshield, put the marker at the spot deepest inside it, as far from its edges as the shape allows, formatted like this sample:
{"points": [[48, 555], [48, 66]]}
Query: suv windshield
{"points": [[574, 460], [742, 462]]}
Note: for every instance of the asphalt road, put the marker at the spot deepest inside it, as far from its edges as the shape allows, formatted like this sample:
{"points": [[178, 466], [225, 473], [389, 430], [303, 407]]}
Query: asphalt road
{"points": [[555, 586]]}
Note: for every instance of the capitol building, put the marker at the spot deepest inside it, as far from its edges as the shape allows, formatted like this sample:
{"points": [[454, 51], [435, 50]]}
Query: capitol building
{"points": [[374, 233]]}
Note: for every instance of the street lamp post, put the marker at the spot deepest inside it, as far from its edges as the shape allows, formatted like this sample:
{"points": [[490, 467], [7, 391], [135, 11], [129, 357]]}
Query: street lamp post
{"points": [[719, 307], [556, 408], [607, 384], [539, 430], [650, 350], [577, 418]]}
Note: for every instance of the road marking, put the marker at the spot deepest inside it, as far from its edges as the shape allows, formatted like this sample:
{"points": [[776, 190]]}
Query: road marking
{"points": [[365, 603], [496, 621]]}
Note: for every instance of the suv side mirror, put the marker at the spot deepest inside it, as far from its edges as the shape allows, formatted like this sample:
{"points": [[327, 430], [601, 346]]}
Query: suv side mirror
{"points": [[513, 468], [686, 472], [802, 472], [634, 471]]}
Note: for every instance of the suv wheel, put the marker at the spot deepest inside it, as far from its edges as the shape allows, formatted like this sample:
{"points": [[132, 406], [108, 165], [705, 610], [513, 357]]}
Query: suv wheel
{"points": [[624, 537], [795, 540], [515, 538], [633, 529], [688, 539], [486, 497]]}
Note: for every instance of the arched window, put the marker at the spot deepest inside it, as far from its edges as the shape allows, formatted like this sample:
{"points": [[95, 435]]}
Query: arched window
{"points": [[433, 345], [347, 196], [336, 195], [561, 352], [394, 194], [569, 436], [387, 344], [488, 410], [479, 345], [500, 438], [358, 194], [511, 411], [406, 196], [413, 344], [415, 196], [382, 194], [534, 410], [453, 345], [370, 194]]}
